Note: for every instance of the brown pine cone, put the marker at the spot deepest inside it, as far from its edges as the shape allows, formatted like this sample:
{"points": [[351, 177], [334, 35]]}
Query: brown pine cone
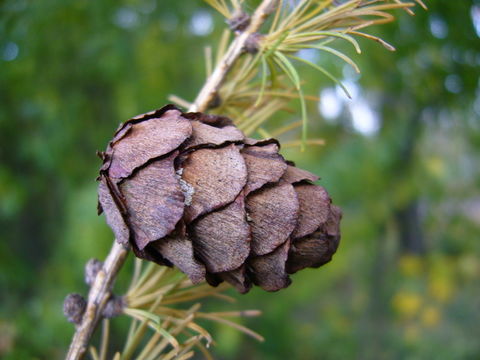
{"points": [[190, 190]]}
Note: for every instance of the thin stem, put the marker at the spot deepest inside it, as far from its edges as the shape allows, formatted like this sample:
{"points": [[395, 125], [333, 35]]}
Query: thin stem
{"points": [[100, 291], [209, 91], [98, 296]]}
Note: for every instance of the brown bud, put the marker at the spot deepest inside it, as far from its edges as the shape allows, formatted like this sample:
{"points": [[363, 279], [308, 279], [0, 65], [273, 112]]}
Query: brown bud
{"points": [[190, 190], [114, 307], [73, 308], [252, 44], [92, 268], [239, 21]]}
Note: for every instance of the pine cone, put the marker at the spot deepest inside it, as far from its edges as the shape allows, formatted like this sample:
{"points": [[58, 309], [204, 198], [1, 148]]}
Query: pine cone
{"points": [[190, 190]]}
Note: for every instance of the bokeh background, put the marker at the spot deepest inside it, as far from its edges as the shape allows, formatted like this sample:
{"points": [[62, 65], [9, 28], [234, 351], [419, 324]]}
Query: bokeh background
{"points": [[401, 158]]}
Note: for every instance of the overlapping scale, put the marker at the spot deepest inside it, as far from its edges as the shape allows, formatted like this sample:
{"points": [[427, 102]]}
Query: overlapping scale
{"points": [[269, 271], [221, 239], [154, 201], [216, 175], [179, 251], [265, 165], [147, 140], [273, 215]]}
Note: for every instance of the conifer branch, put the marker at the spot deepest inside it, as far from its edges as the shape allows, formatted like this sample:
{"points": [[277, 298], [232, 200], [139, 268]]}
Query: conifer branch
{"points": [[209, 91], [100, 291]]}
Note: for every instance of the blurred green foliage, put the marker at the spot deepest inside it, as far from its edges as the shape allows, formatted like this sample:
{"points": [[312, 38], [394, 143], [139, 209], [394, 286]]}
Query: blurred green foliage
{"points": [[405, 283]]}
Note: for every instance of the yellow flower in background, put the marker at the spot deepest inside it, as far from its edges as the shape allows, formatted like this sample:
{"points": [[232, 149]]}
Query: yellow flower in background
{"points": [[430, 316], [410, 265], [441, 289], [407, 304]]}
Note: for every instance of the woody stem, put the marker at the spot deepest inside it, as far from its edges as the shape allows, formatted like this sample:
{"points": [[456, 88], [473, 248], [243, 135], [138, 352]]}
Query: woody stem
{"points": [[100, 291], [210, 89]]}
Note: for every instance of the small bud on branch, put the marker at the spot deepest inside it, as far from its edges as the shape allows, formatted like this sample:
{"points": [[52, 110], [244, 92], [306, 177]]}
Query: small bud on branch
{"points": [[74, 308]]}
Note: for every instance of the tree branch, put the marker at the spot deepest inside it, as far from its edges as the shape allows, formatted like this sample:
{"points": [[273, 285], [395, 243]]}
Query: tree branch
{"points": [[100, 292], [98, 296], [210, 89]]}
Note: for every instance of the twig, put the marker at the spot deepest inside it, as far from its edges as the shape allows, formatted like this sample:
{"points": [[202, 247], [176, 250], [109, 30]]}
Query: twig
{"points": [[210, 89], [98, 296], [100, 291]]}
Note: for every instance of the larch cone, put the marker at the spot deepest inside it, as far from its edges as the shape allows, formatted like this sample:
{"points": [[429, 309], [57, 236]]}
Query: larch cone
{"points": [[190, 190]]}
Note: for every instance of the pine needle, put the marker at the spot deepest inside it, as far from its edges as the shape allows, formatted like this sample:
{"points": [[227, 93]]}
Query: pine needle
{"points": [[222, 45], [179, 101], [264, 81], [284, 129], [220, 6], [337, 53], [148, 348], [186, 356], [298, 143], [232, 324], [105, 339], [169, 337], [204, 351], [323, 71], [94, 353], [208, 60], [264, 133], [385, 44], [317, 35], [291, 72], [422, 4]]}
